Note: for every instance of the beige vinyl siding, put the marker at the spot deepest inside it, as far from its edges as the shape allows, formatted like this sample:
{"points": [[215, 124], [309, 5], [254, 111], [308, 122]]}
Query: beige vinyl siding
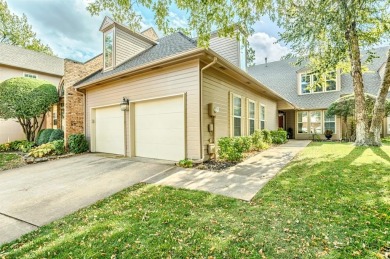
{"points": [[227, 48], [219, 88], [127, 46], [173, 80], [7, 72]]}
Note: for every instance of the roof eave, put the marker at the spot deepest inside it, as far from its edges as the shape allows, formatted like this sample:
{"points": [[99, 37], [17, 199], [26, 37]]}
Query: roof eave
{"points": [[137, 69]]}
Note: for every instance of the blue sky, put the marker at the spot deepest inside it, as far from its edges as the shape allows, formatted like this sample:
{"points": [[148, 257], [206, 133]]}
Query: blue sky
{"points": [[68, 28]]}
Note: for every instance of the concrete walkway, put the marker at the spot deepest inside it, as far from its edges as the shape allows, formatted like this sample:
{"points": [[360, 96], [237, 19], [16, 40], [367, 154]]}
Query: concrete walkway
{"points": [[242, 181]]}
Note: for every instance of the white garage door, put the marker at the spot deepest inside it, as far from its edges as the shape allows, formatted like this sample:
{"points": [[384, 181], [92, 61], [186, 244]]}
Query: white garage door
{"points": [[109, 137], [159, 129]]}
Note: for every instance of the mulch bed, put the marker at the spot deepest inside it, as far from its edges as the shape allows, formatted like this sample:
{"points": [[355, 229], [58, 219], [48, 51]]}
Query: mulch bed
{"points": [[220, 165]]}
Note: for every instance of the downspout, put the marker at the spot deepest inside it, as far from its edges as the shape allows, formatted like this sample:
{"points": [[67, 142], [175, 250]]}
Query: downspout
{"points": [[201, 107]]}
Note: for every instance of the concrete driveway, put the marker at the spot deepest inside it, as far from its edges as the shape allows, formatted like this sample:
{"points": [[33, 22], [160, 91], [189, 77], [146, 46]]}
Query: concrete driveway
{"points": [[35, 195]]}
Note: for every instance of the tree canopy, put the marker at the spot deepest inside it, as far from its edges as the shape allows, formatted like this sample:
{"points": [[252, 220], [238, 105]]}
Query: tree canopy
{"points": [[15, 30], [27, 100]]}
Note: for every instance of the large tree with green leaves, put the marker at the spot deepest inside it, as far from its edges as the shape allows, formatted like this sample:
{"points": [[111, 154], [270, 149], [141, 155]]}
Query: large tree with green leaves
{"points": [[15, 30], [27, 100], [325, 33], [330, 32]]}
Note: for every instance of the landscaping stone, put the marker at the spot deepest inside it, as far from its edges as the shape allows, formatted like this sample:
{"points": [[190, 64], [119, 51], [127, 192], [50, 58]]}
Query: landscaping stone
{"points": [[41, 159], [29, 160]]}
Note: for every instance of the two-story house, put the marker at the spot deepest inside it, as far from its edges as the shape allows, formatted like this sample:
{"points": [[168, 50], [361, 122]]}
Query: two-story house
{"points": [[295, 85], [166, 98], [18, 62]]}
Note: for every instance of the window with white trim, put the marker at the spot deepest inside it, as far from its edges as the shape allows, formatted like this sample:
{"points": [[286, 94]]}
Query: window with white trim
{"points": [[310, 83], [251, 117], [329, 122], [316, 122], [108, 49], [262, 117], [237, 115], [30, 75], [388, 125], [303, 122]]}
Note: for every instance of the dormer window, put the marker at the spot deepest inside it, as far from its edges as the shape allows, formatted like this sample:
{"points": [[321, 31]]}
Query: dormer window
{"points": [[310, 83], [108, 49]]}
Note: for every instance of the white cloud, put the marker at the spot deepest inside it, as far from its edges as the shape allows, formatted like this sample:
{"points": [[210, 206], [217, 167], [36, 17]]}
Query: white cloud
{"points": [[177, 20], [266, 46]]}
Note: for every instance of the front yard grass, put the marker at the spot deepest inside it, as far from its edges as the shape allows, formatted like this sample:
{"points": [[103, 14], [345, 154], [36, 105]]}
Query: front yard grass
{"points": [[9, 160], [332, 201]]}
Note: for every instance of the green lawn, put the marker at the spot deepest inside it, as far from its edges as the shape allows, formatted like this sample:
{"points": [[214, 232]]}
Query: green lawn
{"points": [[332, 201], [8, 161]]}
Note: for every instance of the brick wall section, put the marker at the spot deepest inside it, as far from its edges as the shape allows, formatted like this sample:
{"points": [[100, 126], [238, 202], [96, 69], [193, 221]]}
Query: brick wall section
{"points": [[74, 100]]}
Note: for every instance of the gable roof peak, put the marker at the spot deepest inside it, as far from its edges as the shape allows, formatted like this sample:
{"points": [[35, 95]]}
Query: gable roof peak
{"points": [[107, 21]]}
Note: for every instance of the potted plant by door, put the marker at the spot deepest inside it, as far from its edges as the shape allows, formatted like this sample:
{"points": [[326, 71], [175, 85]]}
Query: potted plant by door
{"points": [[328, 134]]}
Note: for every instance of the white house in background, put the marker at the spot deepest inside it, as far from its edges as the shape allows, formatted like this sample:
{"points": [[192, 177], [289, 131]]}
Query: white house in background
{"points": [[19, 62]]}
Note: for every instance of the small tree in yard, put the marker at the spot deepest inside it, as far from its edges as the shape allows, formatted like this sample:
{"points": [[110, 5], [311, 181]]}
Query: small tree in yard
{"points": [[27, 100]]}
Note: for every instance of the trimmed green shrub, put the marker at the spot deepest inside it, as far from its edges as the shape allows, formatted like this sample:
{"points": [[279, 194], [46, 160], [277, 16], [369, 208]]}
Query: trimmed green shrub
{"points": [[279, 136], [37, 136], [59, 147], [44, 137], [57, 134], [186, 163], [267, 136], [232, 149], [77, 143]]}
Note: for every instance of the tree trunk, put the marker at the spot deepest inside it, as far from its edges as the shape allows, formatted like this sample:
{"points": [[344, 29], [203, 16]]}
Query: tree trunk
{"points": [[356, 71], [379, 108]]}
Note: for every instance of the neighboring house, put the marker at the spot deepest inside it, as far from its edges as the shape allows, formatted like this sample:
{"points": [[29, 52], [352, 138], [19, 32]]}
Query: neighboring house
{"points": [[181, 98], [19, 62], [309, 116]]}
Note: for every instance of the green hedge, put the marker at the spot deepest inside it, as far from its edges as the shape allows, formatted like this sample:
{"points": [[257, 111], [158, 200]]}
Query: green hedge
{"points": [[232, 149], [57, 134], [279, 136], [77, 143]]}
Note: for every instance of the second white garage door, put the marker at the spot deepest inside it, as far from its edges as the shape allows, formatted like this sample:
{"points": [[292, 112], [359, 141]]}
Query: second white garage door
{"points": [[159, 129], [109, 137]]}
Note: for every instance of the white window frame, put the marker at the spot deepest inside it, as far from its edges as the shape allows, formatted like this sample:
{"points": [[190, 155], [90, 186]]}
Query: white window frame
{"points": [[335, 124], [312, 89], [29, 75], [308, 123], [321, 121], [262, 115], [249, 116], [113, 49], [236, 116], [388, 125]]}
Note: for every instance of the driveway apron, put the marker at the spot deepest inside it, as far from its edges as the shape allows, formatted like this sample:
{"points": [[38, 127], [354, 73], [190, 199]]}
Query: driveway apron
{"points": [[35, 195]]}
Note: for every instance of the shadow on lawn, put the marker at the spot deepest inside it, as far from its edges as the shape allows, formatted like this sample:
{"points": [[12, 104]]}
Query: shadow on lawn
{"points": [[379, 152]]}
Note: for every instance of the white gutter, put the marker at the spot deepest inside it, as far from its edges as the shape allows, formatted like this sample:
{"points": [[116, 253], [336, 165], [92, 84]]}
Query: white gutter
{"points": [[201, 106]]}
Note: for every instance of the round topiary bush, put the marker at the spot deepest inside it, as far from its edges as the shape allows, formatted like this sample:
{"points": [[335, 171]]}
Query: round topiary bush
{"points": [[57, 134], [44, 137]]}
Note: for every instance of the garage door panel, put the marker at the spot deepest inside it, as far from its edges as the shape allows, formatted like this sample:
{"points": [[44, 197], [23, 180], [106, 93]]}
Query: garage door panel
{"points": [[159, 129], [109, 130]]}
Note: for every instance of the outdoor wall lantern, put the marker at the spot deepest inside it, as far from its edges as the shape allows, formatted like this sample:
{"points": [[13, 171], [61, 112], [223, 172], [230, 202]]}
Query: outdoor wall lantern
{"points": [[125, 104]]}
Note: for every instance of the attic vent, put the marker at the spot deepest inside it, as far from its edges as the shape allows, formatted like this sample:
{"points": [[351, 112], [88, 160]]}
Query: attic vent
{"points": [[222, 68]]}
